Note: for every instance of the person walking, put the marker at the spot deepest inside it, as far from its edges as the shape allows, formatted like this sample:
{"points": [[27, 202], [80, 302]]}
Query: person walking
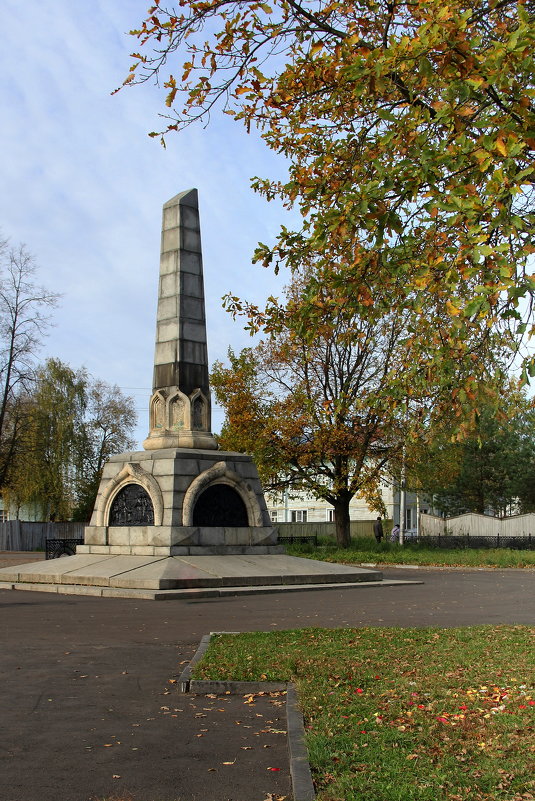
{"points": [[394, 536], [378, 530]]}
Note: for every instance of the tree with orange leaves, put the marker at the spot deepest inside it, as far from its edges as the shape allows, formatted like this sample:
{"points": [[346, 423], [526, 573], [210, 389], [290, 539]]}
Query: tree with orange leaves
{"points": [[330, 414], [409, 130]]}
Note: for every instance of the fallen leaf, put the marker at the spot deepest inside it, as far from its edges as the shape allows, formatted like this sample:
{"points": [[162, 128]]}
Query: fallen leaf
{"points": [[229, 763]]}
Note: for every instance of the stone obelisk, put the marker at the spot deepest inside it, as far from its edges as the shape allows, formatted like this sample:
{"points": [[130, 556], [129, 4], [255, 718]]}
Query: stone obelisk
{"points": [[181, 492], [180, 409]]}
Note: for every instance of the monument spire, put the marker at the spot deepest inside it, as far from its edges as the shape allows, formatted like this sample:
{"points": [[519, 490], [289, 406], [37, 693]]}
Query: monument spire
{"points": [[179, 410]]}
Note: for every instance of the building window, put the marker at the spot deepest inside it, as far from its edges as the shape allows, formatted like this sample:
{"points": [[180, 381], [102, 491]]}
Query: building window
{"points": [[274, 515], [408, 518], [330, 515], [3, 516], [299, 516]]}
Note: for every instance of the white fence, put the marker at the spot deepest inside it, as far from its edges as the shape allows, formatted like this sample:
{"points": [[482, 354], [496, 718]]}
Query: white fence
{"points": [[18, 535], [474, 525]]}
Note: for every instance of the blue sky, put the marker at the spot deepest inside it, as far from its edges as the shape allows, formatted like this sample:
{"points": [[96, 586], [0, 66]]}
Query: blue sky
{"points": [[83, 186]]}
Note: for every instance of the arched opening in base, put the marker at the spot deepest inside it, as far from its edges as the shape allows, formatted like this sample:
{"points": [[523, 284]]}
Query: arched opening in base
{"points": [[220, 505]]}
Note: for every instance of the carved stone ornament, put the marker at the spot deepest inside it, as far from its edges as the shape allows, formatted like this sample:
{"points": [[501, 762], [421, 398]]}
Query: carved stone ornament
{"points": [[131, 506], [132, 474], [177, 407]]}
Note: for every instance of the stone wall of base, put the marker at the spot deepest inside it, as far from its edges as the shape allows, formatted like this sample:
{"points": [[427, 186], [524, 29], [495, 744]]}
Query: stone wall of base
{"points": [[180, 550], [171, 536]]}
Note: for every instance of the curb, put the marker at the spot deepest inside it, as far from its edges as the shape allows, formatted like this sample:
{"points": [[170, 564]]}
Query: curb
{"points": [[302, 784], [301, 777], [474, 568]]}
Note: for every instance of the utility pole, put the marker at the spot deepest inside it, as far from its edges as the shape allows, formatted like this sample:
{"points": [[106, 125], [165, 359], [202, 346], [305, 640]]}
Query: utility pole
{"points": [[402, 499]]}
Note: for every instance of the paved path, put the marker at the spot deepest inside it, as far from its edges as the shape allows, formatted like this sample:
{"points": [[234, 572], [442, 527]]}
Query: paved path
{"points": [[12, 558], [88, 711]]}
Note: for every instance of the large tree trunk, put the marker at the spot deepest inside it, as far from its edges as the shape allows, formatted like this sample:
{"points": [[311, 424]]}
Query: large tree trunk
{"points": [[341, 519]]}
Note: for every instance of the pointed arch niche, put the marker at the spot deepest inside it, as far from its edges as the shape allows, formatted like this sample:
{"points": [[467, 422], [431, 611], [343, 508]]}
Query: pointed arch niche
{"points": [[157, 411], [219, 481], [199, 412], [131, 473], [178, 411]]}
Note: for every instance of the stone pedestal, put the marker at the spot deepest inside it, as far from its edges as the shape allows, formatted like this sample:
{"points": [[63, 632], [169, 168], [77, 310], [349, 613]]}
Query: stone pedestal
{"points": [[185, 501]]}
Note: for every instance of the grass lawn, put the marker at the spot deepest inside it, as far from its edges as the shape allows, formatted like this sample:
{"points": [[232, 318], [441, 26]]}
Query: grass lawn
{"points": [[365, 549], [403, 714]]}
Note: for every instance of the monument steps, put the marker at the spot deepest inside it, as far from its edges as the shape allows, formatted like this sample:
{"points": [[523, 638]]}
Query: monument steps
{"points": [[220, 572]]}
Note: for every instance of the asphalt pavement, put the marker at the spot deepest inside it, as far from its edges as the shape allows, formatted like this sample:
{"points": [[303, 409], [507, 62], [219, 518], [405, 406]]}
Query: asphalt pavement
{"points": [[89, 700]]}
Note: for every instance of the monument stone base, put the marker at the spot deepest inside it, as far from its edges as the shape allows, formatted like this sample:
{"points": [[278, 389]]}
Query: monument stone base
{"points": [[179, 497], [186, 576], [179, 540]]}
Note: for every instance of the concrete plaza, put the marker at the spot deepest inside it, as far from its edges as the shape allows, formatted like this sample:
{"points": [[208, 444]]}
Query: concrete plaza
{"points": [[89, 702]]}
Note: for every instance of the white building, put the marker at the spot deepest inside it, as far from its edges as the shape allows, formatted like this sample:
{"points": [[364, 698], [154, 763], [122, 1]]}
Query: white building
{"points": [[29, 513], [303, 508]]}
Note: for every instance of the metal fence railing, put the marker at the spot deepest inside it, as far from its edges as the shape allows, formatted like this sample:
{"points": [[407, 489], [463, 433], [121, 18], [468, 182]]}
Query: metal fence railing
{"points": [[61, 547], [518, 543]]}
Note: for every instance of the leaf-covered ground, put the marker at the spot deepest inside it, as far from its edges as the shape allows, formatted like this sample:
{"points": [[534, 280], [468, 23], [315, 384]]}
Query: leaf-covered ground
{"points": [[403, 714]]}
